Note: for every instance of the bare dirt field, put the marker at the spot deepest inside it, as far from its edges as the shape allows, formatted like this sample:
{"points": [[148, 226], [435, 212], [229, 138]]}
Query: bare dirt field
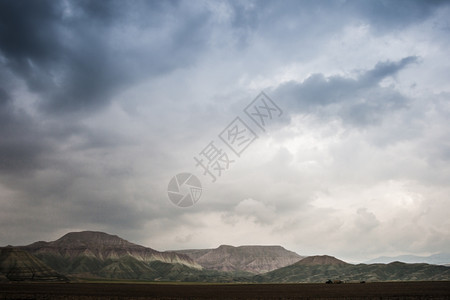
{"points": [[385, 290]]}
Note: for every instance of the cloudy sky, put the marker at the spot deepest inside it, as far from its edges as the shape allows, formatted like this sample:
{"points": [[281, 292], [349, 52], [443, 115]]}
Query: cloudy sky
{"points": [[103, 102]]}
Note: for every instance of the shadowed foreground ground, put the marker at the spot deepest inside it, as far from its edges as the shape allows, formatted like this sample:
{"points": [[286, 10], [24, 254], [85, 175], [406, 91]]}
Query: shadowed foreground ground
{"points": [[386, 290]]}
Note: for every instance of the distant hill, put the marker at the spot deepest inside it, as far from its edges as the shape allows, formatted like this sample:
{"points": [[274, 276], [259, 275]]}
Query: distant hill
{"points": [[98, 254], [19, 265], [435, 259], [320, 260], [322, 268], [253, 259]]}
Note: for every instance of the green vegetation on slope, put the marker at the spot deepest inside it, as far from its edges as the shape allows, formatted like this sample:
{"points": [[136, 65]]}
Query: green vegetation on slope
{"points": [[129, 268], [376, 272], [18, 265]]}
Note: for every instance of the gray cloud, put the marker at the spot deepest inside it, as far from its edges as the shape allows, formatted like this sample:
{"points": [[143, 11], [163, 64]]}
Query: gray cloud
{"points": [[359, 101], [64, 49], [101, 102], [21, 143], [387, 15]]}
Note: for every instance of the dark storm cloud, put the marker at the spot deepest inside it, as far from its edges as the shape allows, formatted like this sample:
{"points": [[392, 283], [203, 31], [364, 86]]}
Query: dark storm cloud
{"points": [[28, 39], [360, 101], [75, 56], [27, 30], [64, 49]]}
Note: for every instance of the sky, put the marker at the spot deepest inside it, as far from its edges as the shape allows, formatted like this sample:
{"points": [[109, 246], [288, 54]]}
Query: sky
{"points": [[102, 103]]}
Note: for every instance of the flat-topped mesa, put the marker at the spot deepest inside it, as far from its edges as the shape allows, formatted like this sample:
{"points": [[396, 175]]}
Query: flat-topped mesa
{"points": [[104, 246], [253, 259], [93, 238]]}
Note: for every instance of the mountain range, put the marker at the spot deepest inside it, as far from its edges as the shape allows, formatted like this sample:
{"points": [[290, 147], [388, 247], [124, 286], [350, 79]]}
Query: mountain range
{"points": [[97, 255]]}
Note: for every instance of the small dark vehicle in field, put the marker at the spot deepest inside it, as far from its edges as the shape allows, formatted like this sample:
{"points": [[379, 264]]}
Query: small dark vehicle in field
{"points": [[334, 281]]}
